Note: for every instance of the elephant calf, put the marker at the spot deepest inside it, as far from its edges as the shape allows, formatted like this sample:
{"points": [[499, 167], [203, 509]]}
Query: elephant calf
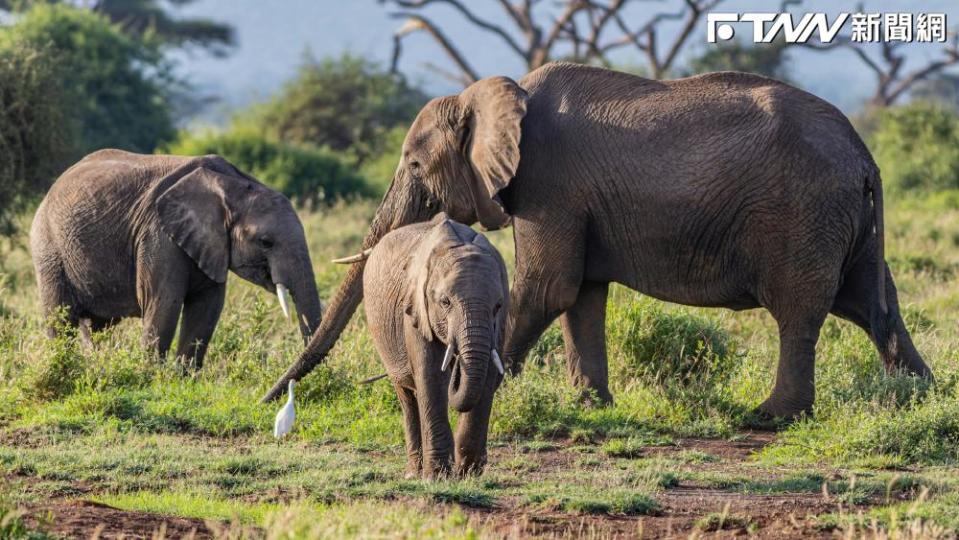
{"points": [[129, 235], [435, 303]]}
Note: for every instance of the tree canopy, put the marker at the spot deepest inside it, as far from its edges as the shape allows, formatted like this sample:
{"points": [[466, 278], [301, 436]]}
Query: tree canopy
{"points": [[344, 104]]}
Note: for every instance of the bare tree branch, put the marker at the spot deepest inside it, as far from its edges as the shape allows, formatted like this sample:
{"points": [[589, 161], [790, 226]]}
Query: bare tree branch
{"points": [[584, 30], [469, 15], [415, 23]]}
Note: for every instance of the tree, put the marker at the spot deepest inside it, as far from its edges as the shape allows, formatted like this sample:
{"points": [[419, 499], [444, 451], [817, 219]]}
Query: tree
{"points": [[140, 18], [346, 104], [113, 86], [585, 31], [33, 145]]}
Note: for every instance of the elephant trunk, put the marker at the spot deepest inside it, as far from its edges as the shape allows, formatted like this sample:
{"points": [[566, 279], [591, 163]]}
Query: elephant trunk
{"points": [[403, 204], [307, 299], [292, 273], [468, 380]]}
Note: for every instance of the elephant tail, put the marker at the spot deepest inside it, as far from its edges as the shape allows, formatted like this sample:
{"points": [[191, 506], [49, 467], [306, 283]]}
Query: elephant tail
{"points": [[875, 188]]}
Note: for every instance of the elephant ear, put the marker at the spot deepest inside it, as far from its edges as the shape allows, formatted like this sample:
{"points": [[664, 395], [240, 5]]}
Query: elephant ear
{"points": [[493, 110], [194, 212], [440, 237]]}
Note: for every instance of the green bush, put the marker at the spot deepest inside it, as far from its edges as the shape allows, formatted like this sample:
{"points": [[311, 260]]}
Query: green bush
{"points": [[305, 174], [114, 86], [667, 347], [33, 146], [917, 147], [345, 104]]}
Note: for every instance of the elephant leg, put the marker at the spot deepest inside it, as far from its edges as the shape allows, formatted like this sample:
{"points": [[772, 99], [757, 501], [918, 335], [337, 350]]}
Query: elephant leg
{"points": [[432, 401], [411, 428], [201, 311], [90, 325], [546, 284], [584, 334], [472, 430], [858, 302], [795, 388], [159, 323], [56, 293]]}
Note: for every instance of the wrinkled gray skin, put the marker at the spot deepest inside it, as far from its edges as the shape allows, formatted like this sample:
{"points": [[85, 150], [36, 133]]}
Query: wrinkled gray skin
{"points": [[129, 235], [428, 286], [726, 189]]}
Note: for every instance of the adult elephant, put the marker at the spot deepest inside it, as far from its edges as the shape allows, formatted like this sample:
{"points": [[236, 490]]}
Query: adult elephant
{"points": [[726, 189], [129, 235]]}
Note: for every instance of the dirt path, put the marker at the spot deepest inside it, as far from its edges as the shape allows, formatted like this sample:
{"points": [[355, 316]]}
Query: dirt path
{"points": [[680, 514], [682, 507], [87, 519]]}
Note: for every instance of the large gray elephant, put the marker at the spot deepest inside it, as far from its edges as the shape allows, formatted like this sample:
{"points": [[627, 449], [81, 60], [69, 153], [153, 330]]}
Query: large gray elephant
{"points": [[726, 189], [436, 298], [129, 235]]}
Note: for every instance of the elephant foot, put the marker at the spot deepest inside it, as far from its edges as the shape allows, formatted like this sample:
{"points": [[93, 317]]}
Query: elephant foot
{"points": [[470, 467], [413, 470], [437, 471], [596, 398], [775, 413]]}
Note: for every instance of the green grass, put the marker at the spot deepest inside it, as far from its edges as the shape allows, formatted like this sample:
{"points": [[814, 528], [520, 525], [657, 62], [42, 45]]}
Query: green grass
{"points": [[118, 425]]}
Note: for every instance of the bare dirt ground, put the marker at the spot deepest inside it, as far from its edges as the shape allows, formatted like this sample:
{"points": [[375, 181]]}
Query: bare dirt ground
{"points": [[87, 519], [681, 508]]}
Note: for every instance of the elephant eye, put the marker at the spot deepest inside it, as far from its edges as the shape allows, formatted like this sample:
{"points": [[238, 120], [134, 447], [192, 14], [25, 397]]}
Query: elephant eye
{"points": [[496, 308], [414, 167], [445, 302], [266, 243]]}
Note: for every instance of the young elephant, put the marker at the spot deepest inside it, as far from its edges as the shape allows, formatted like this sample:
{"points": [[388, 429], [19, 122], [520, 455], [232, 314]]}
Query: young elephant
{"points": [[435, 303], [129, 235]]}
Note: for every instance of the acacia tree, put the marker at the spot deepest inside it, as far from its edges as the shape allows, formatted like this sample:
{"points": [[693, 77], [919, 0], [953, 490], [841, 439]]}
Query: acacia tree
{"points": [[585, 31], [887, 60]]}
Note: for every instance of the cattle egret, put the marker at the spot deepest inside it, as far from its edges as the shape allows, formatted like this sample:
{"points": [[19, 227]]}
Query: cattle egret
{"points": [[285, 416]]}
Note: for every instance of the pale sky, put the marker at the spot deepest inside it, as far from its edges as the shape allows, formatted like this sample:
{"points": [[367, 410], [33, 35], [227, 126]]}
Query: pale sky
{"points": [[274, 34]]}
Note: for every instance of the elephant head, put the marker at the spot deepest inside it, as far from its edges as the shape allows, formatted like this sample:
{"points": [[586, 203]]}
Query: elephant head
{"points": [[228, 221], [461, 152], [456, 293]]}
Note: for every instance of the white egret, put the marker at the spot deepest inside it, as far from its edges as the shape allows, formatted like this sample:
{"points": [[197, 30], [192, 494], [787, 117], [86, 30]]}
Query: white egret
{"points": [[285, 416]]}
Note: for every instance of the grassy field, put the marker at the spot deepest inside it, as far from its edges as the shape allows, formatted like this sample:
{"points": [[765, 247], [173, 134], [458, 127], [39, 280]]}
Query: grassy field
{"points": [[109, 437]]}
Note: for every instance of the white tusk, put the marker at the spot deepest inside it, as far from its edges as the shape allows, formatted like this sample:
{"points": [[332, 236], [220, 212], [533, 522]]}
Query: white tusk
{"points": [[447, 358], [361, 256], [497, 362], [281, 293]]}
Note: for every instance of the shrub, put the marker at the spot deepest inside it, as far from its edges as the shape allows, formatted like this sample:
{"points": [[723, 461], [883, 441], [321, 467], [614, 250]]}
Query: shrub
{"points": [[308, 175], [345, 104], [57, 374], [917, 147], [33, 144], [114, 87], [663, 346]]}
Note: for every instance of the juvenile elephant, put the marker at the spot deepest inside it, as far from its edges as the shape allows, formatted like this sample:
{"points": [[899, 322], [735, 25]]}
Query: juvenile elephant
{"points": [[129, 235], [723, 190], [436, 297]]}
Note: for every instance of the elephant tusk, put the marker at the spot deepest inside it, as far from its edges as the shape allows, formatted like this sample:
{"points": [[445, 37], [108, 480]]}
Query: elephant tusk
{"points": [[498, 363], [281, 292], [447, 358], [361, 256]]}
